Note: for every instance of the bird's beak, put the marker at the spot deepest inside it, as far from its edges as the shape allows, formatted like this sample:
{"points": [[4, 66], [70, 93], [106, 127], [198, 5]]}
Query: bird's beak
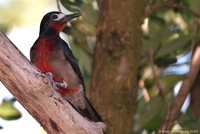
{"points": [[70, 16]]}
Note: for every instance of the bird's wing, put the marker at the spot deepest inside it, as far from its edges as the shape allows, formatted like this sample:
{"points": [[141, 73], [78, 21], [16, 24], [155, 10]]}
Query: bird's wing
{"points": [[33, 55], [72, 60]]}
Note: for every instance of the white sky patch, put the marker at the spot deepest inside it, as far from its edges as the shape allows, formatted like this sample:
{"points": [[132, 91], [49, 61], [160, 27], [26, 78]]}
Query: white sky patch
{"points": [[25, 125], [24, 37], [187, 100]]}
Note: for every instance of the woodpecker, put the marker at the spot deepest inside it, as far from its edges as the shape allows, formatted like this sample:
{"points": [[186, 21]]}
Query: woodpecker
{"points": [[51, 54]]}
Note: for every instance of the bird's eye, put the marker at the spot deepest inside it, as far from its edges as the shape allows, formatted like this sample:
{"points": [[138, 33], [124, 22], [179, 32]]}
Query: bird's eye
{"points": [[54, 16]]}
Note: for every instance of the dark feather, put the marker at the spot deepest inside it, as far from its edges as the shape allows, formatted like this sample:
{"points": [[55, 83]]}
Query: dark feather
{"points": [[72, 60], [89, 110]]}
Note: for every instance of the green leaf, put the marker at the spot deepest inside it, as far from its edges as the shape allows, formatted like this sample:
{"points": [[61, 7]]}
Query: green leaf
{"points": [[89, 13], [187, 14], [72, 5], [155, 38], [8, 111], [188, 122], [149, 115], [170, 81], [170, 45]]}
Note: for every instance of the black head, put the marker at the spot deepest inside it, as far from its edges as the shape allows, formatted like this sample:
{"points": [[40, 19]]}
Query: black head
{"points": [[54, 22]]}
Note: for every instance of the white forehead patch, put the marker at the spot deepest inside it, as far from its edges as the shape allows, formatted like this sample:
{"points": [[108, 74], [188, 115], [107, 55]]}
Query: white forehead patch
{"points": [[59, 16]]}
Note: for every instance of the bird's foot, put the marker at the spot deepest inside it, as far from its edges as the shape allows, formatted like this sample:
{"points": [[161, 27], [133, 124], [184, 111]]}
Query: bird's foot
{"points": [[61, 84], [55, 86], [43, 75], [53, 83], [49, 76]]}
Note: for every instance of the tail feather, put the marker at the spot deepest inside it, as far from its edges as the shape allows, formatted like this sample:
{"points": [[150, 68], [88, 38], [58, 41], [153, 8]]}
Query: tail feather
{"points": [[88, 112], [93, 115]]}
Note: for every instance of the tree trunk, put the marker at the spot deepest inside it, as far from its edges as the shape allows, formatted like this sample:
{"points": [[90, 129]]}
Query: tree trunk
{"points": [[33, 92], [117, 54]]}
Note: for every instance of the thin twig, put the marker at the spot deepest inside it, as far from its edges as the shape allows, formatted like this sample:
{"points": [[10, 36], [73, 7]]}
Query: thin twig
{"points": [[158, 83], [144, 90], [58, 5]]}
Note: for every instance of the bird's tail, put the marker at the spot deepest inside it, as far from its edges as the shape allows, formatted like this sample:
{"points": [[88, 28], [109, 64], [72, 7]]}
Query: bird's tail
{"points": [[91, 112], [88, 112]]}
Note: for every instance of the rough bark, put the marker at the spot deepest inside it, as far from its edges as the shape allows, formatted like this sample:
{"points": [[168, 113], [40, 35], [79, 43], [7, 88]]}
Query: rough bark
{"points": [[117, 54], [33, 92]]}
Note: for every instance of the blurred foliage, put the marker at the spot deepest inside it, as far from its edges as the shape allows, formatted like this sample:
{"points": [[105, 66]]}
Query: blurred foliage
{"points": [[149, 115], [167, 33], [19, 12], [8, 111], [189, 122], [169, 30]]}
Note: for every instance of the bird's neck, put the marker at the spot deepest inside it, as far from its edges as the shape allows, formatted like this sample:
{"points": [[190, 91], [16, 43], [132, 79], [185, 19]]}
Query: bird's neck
{"points": [[48, 32], [46, 44]]}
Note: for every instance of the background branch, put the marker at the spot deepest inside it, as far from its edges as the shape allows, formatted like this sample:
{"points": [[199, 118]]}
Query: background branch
{"points": [[190, 78], [158, 82], [58, 5], [53, 113]]}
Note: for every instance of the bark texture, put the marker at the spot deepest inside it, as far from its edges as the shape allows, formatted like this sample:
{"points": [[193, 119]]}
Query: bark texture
{"points": [[33, 92], [117, 54]]}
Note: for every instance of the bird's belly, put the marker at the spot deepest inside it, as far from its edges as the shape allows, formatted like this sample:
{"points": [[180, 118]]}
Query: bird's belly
{"points": [[63, 71]]}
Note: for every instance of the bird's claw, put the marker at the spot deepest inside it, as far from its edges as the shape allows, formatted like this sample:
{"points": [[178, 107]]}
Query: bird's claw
{"points": [[38, 73], [53, 83], [55, 86]]}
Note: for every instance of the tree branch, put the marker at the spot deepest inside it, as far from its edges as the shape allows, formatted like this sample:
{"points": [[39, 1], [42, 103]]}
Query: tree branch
{"points": [[194, 99], [53, 113], [158, 82], [188, 82], [58, 5]]}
